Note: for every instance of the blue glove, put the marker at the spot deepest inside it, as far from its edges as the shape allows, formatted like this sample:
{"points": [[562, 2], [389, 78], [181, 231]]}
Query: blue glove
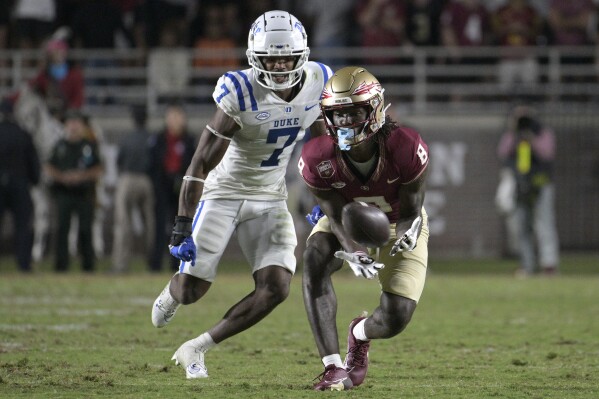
{"points": [[186, 251], [314, 216], [181, 245]]}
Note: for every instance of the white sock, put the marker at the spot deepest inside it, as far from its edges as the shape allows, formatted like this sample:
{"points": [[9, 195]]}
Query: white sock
{"points": [[332, 359], [359, 331], [204, 342]]}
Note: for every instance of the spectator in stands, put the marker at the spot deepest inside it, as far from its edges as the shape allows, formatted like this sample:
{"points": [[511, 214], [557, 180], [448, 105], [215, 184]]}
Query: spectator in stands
{"points": [[60, 81], [382, 23], [464, 23], [5, 21], [19, 170], [169, 65], [571, 23], [96, 25], [34, 22], [527, 149], [170, 152], [333, 28], [210, 39], [157, 13], [74, 168], [517, 25], [422, 22], [133, 191]]}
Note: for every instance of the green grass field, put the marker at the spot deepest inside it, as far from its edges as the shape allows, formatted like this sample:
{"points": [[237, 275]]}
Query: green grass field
{"points": [[478, 333]]}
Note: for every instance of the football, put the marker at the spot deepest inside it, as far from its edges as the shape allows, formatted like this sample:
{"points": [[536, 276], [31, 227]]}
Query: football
{"points": [[365, 224]]}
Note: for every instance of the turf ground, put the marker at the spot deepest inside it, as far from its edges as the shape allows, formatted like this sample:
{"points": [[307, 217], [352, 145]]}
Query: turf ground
{"points": [[478, 333]]}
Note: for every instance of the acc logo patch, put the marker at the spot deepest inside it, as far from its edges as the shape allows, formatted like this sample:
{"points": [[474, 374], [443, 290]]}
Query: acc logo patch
{"points": [[263, 115], [338, 184], [325, 169]]}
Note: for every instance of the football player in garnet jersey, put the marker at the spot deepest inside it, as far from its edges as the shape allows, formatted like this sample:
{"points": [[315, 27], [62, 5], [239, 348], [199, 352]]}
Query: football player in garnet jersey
{"points": [[236, 182], [365, 157]]}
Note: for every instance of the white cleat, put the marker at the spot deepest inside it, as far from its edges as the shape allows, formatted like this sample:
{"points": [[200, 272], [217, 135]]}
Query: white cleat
{"points": [[164, 308], [192, 359]]}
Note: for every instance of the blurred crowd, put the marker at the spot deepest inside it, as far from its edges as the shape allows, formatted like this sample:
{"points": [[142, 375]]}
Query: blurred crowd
{"points": [[67, 142], [107, 24]]}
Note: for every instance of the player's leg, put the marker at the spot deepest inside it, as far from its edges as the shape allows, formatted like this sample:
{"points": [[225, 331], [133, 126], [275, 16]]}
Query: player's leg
{"points": [[267, 238], [214, 223], [317, 287], [271, 289], [320, 302], [402, 282]]}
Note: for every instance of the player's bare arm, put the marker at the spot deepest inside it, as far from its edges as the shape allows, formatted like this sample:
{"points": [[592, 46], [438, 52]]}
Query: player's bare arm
{"points": [[318, 128], [209, 152], [409, 224], [411, 199]]}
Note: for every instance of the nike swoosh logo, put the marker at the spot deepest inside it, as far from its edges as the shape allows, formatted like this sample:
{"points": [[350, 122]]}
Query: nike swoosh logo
{"points": [[308, 108], [389, 181]]}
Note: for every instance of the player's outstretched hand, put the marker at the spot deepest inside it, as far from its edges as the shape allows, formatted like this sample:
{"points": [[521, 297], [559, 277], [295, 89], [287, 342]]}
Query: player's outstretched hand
{"points": [[181, 245], [360, 263], [407, 242], [314, 216]]}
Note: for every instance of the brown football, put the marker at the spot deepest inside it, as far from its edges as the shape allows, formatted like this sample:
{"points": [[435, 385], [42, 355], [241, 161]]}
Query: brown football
{"points": [[365, 224]]}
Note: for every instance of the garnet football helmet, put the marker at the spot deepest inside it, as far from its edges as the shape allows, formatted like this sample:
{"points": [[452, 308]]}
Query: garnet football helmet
{"points": [[353, 87], [277, 33]]}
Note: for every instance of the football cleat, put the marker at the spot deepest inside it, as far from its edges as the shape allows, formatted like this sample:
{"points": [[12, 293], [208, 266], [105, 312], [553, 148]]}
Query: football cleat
{"points": [[356, 360], [164, 308], [192, 359], [333, 378]]}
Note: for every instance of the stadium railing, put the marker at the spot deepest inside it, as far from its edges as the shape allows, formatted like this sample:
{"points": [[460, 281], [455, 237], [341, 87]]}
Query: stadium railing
{"points": [[421, 79]]}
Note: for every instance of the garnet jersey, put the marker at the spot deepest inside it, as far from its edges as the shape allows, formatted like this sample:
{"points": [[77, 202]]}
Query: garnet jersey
{"points": [[255, 163], [403, 157]]}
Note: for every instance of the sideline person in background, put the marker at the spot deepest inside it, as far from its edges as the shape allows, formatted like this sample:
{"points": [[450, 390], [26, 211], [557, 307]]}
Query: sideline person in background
{"points": [[133, 192], [74, 168], [527, 149], [236, 183], [19, 170], [171, 151], [365, 157]]}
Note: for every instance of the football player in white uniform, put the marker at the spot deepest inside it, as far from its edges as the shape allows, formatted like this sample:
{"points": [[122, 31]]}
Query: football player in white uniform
{"points": [[236, 182]]}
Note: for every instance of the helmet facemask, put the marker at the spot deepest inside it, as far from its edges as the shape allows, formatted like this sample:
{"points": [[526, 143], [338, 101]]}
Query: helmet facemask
{"points": [[348, 135], [277, 34]]}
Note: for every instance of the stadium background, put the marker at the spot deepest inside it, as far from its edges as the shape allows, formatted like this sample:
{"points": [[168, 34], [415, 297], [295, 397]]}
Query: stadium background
{"points": [[460, 109]]}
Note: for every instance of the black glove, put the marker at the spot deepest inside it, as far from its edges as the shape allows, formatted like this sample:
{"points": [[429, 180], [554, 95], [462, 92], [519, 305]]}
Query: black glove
{"points": [[181, 230]]}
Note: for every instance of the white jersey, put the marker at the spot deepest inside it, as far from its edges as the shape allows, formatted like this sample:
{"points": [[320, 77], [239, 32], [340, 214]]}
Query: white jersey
{"points": [[255, 163]]}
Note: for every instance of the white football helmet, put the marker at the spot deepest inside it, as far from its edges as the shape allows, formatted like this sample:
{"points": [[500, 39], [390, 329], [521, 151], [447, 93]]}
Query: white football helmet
{"points": [[277, 33]]}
